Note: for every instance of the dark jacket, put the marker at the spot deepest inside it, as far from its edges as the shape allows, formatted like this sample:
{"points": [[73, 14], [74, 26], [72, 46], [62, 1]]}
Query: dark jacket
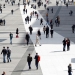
{"points": [[17, 31], [4, 51], [69, 69], [8, 52], [38, 32], [27, 37], [64, 42], [36, 58], [47, 29], [51, 31], [29, 59], [30, 28]]}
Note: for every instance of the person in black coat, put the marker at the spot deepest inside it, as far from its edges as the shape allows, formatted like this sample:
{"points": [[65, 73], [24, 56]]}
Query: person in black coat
{"points": [[73, 28], [69, 69], [39, 33], [27, 37], [12, 11], [64, 44], [17, 32], [29, 60], [36, 60], [68, 44], [51, 32], [28, 19], [41, 21], [30, 29], [47, 32]]}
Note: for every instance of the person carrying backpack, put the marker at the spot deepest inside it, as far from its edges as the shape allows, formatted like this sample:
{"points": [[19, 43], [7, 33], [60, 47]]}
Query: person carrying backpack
{"points": [[37, 59]]}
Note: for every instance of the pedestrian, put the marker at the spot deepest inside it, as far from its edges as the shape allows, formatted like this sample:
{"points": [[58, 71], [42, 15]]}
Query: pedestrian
{"points": [[71, 12], [44, 29], [51, 32], [12, 11], [3, 73], [45, 6], [64, 44], [29, 60], [37, 16], [73, 28], [67, 5], [41, 21], [47, 32], [48, 9], [27, 37], [69, 69], [37, 40], [52, 9], [4, 52], [68, 44], [8, 54], [17, 32], [4, 22], [28, 19], [47, 21], [30, 29], [26, 11], [37, 59], [33, 13], [56, 22], [39, 33], [11, 36]]}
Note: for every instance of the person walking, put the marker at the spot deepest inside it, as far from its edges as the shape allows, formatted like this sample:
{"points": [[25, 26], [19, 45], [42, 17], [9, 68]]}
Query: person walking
{"points": [[41, 21], [11, 36], [26, 11], [8, 54], [47, 32], [30, 29], [12, 11], [44, 29], [39, 33], [17, 32], [51, 32], [29, 60], [37, 40], [37, 59], [73, 28], [4, 52], [69, 69], [37, 16], [27, 37], [68, 44], [64, 44], [52, 9]]}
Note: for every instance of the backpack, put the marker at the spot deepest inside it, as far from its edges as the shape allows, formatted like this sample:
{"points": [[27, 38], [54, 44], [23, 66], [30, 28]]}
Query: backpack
{"points": [[38, 58]]}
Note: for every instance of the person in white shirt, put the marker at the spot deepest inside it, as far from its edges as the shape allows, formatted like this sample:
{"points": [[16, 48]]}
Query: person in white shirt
{"points": [[37, 40]]}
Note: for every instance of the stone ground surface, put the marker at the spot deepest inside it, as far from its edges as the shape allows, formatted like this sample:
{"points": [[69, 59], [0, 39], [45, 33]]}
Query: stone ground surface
{"points": [[54, 66]]}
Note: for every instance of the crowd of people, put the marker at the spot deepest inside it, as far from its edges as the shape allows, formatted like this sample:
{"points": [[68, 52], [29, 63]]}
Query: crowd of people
{"points": [[48, 29]]}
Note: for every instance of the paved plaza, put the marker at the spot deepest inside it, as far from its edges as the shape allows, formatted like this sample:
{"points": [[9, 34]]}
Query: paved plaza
{"points": [[53, 60]]}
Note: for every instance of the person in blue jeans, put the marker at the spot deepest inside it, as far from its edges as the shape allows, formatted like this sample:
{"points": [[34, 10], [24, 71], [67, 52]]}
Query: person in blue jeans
{"points": [[11, 36], [4, 52], [8, 54]]}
